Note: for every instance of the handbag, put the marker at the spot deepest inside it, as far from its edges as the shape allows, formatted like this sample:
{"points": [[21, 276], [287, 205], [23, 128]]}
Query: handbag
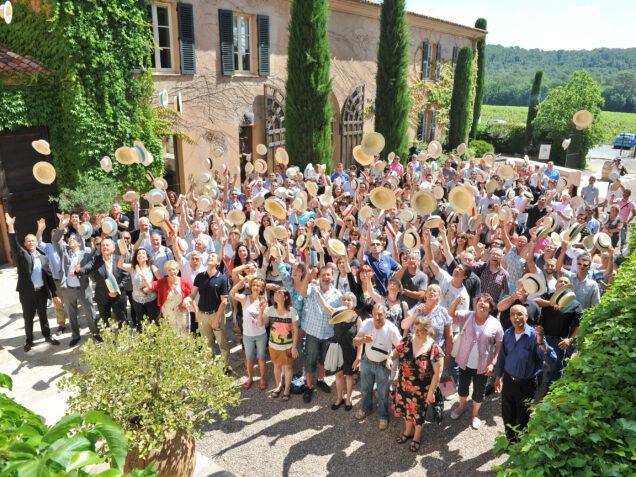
{"points": [[447, 386], [333, 359], [457, 339], [435, 411]]}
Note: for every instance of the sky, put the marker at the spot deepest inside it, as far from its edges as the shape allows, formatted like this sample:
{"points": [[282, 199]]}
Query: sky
{"points": [[547, 24]]}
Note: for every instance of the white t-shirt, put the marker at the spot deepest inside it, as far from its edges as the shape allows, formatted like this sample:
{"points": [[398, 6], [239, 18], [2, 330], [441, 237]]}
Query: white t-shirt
{"points": [[383, 342]]}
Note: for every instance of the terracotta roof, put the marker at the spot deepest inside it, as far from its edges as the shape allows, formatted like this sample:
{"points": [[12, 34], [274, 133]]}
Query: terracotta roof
{"points": [[11, 63]]}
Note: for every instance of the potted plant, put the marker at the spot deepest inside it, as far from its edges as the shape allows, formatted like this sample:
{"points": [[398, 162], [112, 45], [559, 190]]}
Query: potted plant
{"points": [[159, 386]]}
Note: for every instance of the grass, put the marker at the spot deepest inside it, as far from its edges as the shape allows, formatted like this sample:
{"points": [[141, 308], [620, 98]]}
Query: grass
{"points": [[613, 123]]}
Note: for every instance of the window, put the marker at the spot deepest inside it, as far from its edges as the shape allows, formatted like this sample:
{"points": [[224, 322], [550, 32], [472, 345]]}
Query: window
{"points": [[244, 43], [171, 163], [163, 55]]}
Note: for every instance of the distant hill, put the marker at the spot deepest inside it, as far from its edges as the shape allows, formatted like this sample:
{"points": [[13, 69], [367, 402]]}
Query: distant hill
{"points": [[510, 71]]}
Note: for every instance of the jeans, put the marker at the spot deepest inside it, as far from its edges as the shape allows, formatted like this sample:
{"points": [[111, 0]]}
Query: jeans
{"points": [[255, 347], [377, 374], [556, 367]]}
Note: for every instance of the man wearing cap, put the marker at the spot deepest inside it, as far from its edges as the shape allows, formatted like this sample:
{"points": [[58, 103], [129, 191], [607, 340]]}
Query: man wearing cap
{"points": [[520, 360], [585, 288], [35, 283], [560, 325], [590, 192], [315, 325], [414, 281]]}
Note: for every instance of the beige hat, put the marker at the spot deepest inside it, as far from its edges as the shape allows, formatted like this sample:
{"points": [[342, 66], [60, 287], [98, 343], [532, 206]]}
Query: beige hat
{"points": [[550, 222], [391, 156], [182, 245], [533, 284], [86, 230], [218, 151], [492, 221], [316, 245], [160, 183], [566, 143], [279, 232], [602, 241], [268, 235], [276, 207], [563, 296], [510, 194], [561, 184], [433, 222], [106, 163], [588, 242], [438, 192], [434, 149], [302, 242], [322, 223], [204, 203], [556, 239], [145, 156], [44, 172], [481, 177], [42, 147], [276, 250], [336, 247], [282, 156], [573, 234], [342, 315], [156, 196], [204, 177], [372, 143], [164, 98], [257, 201], [461, 149], [300, 202], [122, 246], [312, 188], [126, 155], [411, 239], [423, 202], [407, 215], [291, 172], [423, 157], [489, 158], [491, 186], [249, 167], [361, 157], [326, 199], [348, 211], [379, 166], [250, 229], [260, 166], [261, 149], [236, 217], [506, 171], [505, 214], [582, 119], [109, 226], [461, 200], [130, 196], [475, 222], [365, 213], [382, 198]]}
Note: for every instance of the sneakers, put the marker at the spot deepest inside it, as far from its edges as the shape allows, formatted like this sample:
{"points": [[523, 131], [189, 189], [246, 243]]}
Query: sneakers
{"points": [[323, 386], [455, 415], [360, 414], [476, 424], [307, 395], [450, 397], [383, 424]]}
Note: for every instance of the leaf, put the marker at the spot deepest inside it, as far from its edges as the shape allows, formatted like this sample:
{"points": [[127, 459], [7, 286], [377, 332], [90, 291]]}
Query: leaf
{"points": [[82, 459], [6, 382], [108, 473], [62, 450], [62, 427]]}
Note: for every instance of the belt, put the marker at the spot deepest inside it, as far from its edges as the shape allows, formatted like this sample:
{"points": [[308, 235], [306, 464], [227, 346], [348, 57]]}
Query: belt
{"points": [[38, 289], [73, 288], [520, 380], [375, 363]]}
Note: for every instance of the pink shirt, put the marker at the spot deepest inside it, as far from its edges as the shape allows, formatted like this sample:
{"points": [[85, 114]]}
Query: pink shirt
{"points": [[486, 340], [626, 206], [397, 168]]}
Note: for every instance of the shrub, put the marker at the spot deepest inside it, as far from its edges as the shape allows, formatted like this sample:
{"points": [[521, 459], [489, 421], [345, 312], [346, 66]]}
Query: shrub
{"points": [[481, 147], [92, 195], [508, 138]]}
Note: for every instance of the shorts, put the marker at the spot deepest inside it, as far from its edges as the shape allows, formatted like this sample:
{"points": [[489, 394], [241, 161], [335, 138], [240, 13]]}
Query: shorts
{"points": [[315, 352], [255, 347], [281, 357]]}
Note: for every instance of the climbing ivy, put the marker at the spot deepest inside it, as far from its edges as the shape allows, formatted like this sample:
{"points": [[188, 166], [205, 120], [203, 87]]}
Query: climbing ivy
{"points": [[95, 95]]}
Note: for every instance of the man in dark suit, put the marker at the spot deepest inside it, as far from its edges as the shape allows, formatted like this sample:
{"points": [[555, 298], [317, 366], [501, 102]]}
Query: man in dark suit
{"points": [[35, 283], [110, 282]]}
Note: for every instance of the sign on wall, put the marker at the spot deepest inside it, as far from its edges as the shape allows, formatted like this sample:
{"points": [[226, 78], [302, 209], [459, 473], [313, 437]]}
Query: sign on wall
{"points": [[544, 152]]}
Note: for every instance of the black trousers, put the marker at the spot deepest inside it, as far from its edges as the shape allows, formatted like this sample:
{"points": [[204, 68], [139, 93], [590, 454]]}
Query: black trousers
{"points": [[32, 303], [113, 308], [149, 311], [516, 397]]}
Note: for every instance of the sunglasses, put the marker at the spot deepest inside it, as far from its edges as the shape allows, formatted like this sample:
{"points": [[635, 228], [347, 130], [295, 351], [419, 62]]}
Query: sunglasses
{"points": [[582, 264]]}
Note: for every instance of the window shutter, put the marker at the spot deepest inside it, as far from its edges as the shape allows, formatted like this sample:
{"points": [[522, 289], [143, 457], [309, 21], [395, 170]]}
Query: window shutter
{"points": [[185, 19], [455, 53], [262, 23], [421, 127], [425, 60], [438, 62], [227, 41], [433, 125]]}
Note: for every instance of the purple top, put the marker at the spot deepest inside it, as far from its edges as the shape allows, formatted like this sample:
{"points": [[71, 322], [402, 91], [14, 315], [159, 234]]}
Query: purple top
{"points": [[490, 334]]}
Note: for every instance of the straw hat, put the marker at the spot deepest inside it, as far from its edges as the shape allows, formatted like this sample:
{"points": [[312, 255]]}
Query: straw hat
{"points": [[268, 235], [361, 157], [491, 186], [109, 226], [276, 207], [281, 156], [505, 214], [218, 151], [438, 192], [106, 163], [411, 239], [279, 232], [145, 156], [126, 155], [481, 177], [164, 98], [276, 250], [122, 246], [204, 203], [433, 222], [250, 229], [533, 284], [236, 217], [434, 149], [461, 200], [355, 183], [602, 241], [44, 172], [424, 202], [316, 245], [372, 143], [550, 222], [261, 149], [461, 149], [309, 171], [506, 171], [260, 166], [382, 198], [156, 196], [348, 211], [85, 230], [561, 184], [573, 234], [336, 247], [510, 194], [322, 223], [326, 199], [423, 157], [257, 201], [588, 242], [300, 202], [365, 213], [528, 194], [160, 183], [451, 217], [556, 239], [489, 158], [182, 245], [302, 242], [312, 188], [475, 222], [42, 147], [379, 166], [566, 143], [582, 119], [341, 314], [492, 221], [391, 156], [407, 215], [613, 176], [249, 167], [563, 296], [130, 196]]}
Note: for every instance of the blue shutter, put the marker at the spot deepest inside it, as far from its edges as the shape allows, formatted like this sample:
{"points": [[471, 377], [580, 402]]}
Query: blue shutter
{"points": [[226, 32], [426, 48], [438, 62], [455, 53], [185, 19], [262, 24], [421, 127], [433, 121]]}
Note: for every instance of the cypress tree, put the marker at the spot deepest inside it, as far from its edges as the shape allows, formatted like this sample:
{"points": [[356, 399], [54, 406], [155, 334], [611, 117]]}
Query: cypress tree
{"points": [[532, 107], [482, 24], [393, 102], [308, 106], [460, 101]]}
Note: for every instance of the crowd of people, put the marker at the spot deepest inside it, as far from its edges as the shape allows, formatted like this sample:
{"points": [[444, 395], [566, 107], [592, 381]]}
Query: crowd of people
{"points": [[399, 276]]}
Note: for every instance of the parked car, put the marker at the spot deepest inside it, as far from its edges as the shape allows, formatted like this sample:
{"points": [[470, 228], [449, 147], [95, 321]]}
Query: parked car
{"points": [[625, 141], [496, 121]]}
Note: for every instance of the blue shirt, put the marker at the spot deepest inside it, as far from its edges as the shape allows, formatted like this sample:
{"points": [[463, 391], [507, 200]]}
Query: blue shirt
{"points": [[523, 358], [315, 321], [54, 259], [36, 274], [382, 268]]}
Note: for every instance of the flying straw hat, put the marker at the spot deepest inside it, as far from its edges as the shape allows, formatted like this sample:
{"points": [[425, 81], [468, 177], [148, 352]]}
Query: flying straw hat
{"points": [[411, 239], [382, 198], [282, 156], [85, 230], [533, 284], [250, 229], [44, 172], [124, 155], [391, 156], [109, 226], [316, 245], [372, 143], [146, 157], [461, 149], [365, 213], [312, 188], [276, 207], [348, 211], [361, 157], [407, 215], [218, 151], [434, 149], [588, 242], [279, 232], [563, 296], [341, 314], [433, 222], [261, 149], [424, 202], [268, 235], [160, 183], [302, 242], [122, 246], [257, 201], [42, 147], [505, 214], [379, 166], [602, 242], [461, 200], [130, 196], [506, 171], [236, 217], [164, 98], [322, 223], [491, 186], [561, 184], [336, 247], [489, 157], [182, 245], [492, 221], [156, 196], [300, 202], [475, 222], [260, 166], [576, 202], [582, 119], [204, 203], [326, 199], [566, 143], [106, 164], [438, 192]]}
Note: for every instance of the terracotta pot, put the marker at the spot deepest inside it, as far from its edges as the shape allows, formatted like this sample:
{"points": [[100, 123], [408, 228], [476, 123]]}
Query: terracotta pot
{"points": [[176, 458]]}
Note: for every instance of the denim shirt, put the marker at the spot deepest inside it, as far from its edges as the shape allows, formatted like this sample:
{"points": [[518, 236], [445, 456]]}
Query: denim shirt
{"points": [[522, 359]]}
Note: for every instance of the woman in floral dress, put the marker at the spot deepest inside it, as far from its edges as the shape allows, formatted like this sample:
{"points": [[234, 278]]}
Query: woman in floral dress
{"points": [[420, 369]]}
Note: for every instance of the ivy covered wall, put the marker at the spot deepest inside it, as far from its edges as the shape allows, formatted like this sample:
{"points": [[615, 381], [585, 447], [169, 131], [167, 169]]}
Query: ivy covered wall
{"points": [[90, 97]]}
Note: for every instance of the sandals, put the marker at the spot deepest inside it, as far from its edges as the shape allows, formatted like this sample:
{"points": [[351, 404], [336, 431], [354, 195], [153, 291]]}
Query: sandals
{"points": [[262, 385], [247, 384], [285, 397], [414, 446], [403, 438], [276, 393]]}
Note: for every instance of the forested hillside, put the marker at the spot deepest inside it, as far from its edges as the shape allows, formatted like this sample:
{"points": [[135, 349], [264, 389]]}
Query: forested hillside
{"points": [[510, 71]]}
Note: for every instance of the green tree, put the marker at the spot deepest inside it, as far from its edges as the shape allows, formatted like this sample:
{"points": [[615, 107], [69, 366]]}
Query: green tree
{"points": [[532, 108], [461, 104], [308, 106], [555, 112], [482, 24], [392, 103]]}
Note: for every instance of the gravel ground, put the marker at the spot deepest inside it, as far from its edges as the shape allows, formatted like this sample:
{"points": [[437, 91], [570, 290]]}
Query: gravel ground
{"points": [[268, 437]]}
